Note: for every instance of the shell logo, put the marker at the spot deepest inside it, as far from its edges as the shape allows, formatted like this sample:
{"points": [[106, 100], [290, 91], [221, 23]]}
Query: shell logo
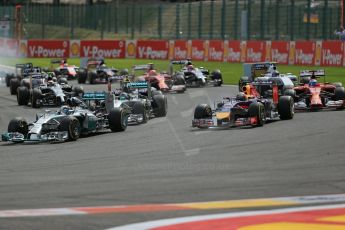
{"points": [[23, 49], [131, 49], [75, 49]]}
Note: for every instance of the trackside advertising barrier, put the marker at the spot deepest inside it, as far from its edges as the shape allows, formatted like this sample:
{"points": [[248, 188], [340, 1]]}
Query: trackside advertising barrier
{"points": [[48, 48], [103, 49], [319, 53], [152, 49]]}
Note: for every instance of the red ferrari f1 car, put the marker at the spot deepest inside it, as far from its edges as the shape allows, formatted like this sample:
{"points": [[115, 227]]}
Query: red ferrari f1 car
{"points": [[160, 81], [311, 95]]}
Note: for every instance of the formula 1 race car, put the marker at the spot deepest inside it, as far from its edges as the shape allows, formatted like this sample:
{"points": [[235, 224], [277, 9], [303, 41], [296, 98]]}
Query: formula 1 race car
{"points": [[136, 98], [67, 123], [244, 110], [22, 71], [315, 96], [45, 91], [195, 77], [95, 71], [63, 69], [160, 81]]}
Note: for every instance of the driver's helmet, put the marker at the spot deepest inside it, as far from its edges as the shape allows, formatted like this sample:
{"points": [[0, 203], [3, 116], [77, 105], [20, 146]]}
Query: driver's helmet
{"points": [[65, 110], [50, 80], [313, 82], [152, 73], [275, 73], [190, 67], [124, 96], [124, 72], [241, 97], [74, 101], [151, 66]]}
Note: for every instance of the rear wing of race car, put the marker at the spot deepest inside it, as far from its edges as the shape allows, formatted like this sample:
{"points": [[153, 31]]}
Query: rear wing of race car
{"points": [[85, 62], [309, 73], [23, 68], [94, 96], [25, 65], [57, 61], [180, 62], [141, 67], [137, 85], [177, 62]]}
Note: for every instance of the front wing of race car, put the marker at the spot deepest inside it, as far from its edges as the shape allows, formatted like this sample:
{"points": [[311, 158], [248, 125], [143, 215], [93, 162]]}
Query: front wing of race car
{"points": [[224, 123], [34, 138], [302, 105]]}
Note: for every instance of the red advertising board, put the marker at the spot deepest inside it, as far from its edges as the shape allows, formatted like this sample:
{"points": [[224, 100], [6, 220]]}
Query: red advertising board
{"points": [[332, 53], [180, 49], [48, 48], [152, 49], [234, 51], [103, 49], [304, 53], [280, 52], [197, 50], [255, 51], [215, 50]]}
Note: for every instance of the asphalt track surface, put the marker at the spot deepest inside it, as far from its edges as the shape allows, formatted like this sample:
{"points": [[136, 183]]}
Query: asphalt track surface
{"points": [[166, 161]]}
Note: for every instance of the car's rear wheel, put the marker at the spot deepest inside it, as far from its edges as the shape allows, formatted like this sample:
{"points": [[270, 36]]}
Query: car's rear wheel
{"points": [[23, 95], [14, 84], [81, 76], [36, 96]]}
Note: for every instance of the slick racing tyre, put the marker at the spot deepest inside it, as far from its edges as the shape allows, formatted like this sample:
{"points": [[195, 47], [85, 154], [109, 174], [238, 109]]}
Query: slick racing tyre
{"points": [[179, 80], [257, 110], [14, 84], [118, 120], [139, 108], [339, 93], [8, 79], [202, 111], [72, 126], [160, 106], [23, 95], [290, 92], [36, 96], [81, 76], [18, 125], [286, 107]]}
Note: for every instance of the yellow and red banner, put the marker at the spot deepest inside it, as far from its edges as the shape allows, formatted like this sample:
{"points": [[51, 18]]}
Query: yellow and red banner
{"points": [[319, 53]]}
